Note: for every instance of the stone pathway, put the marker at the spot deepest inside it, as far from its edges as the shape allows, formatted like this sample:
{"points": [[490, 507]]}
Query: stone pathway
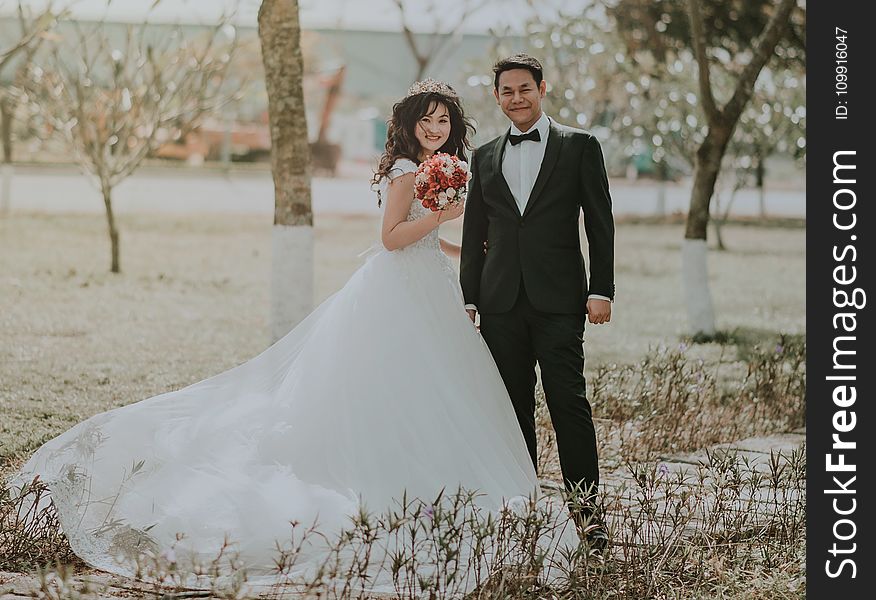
{"points": [[739, 485], [755, 499]]}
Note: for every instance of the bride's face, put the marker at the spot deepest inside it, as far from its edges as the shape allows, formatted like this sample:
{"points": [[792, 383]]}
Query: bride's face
{"points": [[433, 128]]}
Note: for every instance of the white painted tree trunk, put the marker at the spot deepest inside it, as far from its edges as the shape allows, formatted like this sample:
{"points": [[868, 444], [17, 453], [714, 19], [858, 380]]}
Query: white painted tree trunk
{"points": [[695, 275], [6, 171], [292, 277], [660, 210]]}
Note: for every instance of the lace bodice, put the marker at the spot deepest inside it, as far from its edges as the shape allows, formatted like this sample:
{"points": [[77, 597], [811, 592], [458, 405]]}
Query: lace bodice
{"points": [[430, 240]]}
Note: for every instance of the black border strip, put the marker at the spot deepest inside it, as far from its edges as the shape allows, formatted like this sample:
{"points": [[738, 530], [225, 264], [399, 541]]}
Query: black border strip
{"points": [[840, 111]]}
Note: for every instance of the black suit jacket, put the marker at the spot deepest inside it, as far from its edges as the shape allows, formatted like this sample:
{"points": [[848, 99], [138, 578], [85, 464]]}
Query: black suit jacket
{"points": [[542, 246]]}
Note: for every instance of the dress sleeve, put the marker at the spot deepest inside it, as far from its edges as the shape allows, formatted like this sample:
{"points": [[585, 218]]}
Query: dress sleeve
{"points": [[399, 168], [402, 166]]}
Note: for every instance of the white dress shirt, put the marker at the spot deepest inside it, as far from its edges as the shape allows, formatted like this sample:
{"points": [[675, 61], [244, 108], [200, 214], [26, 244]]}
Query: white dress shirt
{"points": [[522, 162], [520, 167]]}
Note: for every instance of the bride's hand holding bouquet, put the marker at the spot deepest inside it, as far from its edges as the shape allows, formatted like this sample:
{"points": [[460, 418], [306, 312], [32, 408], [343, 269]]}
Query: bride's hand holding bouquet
{"points": [[440, 183]]}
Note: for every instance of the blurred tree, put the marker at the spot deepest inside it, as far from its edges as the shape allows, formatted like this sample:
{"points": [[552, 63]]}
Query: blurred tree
{"points": [[742, 36], [15, 57], [773, 122], [582, 58], [426, 47], [480, 104], [292, 290], [110, 106], [643, 108], [639, 109], [661, 28]]}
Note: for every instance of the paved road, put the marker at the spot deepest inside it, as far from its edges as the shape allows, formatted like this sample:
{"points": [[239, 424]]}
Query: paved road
{"points": [[59, 189]]}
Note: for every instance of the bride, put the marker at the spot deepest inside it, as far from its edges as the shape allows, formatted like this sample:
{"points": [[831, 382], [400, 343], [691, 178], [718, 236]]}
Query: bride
{"points": [[385, 390]]}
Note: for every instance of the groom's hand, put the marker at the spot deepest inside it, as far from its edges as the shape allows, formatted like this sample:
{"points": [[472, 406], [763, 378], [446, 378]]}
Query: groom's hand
{"points": [[598, 311]]}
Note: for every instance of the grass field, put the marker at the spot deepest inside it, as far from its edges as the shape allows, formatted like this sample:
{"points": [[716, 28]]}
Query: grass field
{"points": [[193, 300]]}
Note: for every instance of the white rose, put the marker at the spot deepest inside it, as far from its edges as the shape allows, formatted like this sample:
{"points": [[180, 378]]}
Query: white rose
{"points": [[451, 193], [442, 197]]}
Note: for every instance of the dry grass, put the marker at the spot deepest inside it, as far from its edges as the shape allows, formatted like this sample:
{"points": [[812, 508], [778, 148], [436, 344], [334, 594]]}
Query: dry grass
{"points": [[719, 531], [193, 300], [30, 533], [669, 404]]}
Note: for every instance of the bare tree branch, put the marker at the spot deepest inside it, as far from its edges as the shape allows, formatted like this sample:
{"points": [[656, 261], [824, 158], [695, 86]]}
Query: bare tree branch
{"points": [[762, 52], [440, 39], [698, 37], [32, 29], [115, 104]]}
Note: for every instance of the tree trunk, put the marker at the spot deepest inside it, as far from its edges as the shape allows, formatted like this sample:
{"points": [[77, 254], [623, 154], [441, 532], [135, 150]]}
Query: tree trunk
{"points": [[6, 168], [695, 275], [701, 315], [721, 123], [111, 223], [226, 144], [663, 173], [706, 169], [292, 238], [6, 125], [723, 218], [718, 222], [422, 63], [719, 239], [761, 191], [6, 172]]}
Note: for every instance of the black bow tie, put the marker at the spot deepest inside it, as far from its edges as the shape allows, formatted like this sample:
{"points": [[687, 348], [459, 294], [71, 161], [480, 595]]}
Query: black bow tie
{"points": [[533, 135]]}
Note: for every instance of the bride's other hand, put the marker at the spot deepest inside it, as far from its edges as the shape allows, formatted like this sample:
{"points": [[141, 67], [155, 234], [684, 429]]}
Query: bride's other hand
{"points": [[453, 211]]}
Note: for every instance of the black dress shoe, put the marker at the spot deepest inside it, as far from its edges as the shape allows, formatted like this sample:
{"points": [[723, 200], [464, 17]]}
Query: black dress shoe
{"points": [[591, 530], [596, 537]]}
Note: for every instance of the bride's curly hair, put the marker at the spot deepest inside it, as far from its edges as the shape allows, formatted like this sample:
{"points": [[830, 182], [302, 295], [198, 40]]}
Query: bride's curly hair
{"points": [[401, 141]]}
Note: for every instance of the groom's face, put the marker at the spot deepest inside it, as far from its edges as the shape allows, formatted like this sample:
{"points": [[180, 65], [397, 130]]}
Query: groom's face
{"points": [[520, 97]]}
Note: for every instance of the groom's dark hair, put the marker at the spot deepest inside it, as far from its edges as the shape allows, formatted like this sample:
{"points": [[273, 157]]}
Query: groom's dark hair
{"points": [[518, 61]]}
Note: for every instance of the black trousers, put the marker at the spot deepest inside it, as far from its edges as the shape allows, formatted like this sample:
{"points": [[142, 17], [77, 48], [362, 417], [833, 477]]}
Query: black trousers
{"points": [[524, 336]]}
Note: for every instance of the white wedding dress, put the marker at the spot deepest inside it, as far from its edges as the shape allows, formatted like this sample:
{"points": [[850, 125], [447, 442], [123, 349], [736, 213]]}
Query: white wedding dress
{"points": [[386, 388]]}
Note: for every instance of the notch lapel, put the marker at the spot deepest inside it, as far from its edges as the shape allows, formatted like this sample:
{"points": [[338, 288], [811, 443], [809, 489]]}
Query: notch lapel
{"points": [[551, 154], [498, 155]]}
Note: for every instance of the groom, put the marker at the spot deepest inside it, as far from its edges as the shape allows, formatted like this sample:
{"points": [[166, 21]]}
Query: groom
{"points": [[528, 188]]}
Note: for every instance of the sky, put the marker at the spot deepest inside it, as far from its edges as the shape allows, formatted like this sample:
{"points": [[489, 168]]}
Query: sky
{"points": [[378, 15]]}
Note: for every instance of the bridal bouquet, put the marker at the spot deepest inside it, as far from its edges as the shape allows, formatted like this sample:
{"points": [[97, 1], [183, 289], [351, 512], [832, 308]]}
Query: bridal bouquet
{"points": [[441, 180]]}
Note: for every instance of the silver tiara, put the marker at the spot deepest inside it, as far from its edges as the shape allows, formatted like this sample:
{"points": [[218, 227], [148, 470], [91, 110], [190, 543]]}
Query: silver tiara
{"points": [[431, 86]]}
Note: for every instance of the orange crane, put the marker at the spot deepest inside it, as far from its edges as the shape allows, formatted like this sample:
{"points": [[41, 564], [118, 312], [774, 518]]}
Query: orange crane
{"points": [[324, 154], [253, 141]]}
